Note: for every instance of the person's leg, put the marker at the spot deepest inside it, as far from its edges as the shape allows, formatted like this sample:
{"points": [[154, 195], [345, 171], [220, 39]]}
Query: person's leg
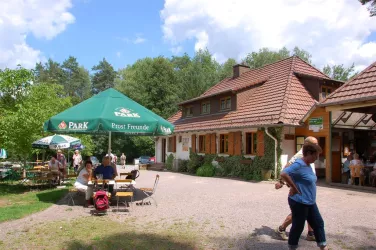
{"points": [[315, 220], [281, 230], [299, 214], [310, 234]]}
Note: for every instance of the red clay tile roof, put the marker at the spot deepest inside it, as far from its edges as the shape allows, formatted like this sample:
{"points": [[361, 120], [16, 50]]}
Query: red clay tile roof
{"points": [[276, 96], [360, 88]]}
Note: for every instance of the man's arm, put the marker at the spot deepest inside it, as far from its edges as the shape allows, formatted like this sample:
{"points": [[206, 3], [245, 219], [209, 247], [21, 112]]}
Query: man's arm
{"points": [[289, 181]]}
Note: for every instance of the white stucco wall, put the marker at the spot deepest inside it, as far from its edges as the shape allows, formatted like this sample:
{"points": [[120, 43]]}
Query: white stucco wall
{"points": [[288, 146], [180, 153], [158, 150]]}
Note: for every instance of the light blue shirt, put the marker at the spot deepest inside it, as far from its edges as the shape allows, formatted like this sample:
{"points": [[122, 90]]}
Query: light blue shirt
{"points": [[305, 180], [346, 166]]}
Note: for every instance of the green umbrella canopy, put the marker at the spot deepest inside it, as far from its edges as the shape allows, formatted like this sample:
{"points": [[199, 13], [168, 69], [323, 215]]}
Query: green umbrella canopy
{"points": [[109, 111]]}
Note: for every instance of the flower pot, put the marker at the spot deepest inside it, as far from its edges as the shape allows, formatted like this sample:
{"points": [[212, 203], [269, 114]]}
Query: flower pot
{"points": [[266, 174]]}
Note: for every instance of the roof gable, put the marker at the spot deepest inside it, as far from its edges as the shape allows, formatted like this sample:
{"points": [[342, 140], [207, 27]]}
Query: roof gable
{"points": [[361, 88]]}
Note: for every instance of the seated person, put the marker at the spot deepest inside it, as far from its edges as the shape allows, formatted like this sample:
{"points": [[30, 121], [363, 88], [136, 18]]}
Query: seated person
{"points": [[106, 170], [346, 166], [53, 166], [373, 176], [82, 182], [356, 169]]}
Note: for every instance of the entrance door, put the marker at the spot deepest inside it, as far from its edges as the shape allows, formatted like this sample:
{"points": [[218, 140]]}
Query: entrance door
{"points": [[163, 150], [336, 159]]}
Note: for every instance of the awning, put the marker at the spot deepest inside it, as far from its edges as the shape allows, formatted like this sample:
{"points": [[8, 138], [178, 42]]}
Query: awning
{"points": [[352, 120]]}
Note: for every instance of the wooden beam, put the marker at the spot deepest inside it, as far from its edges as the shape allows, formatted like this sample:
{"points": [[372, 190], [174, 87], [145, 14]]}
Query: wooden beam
{"points": [[374, 125], [360, 120], [339, 118], [350, 106]]}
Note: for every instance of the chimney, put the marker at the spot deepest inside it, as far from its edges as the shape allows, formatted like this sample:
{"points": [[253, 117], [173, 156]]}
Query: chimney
{"points": [[239, 69]]}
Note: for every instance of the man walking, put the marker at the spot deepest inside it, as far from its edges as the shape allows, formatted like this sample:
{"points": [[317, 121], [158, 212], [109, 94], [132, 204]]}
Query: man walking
{"points": [[281, 230], [123, 159]]}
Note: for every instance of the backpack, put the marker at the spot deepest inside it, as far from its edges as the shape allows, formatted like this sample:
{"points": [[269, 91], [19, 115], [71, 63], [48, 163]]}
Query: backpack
{"points": [[134, 175], [101, 201]]}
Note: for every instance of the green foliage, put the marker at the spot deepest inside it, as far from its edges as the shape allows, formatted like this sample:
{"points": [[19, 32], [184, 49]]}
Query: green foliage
{"points": [[196, 75], [195, 161], [269, 157], [104, 76], [152, 83], [208, 158], [14, 86], [339, 72], [371, 6], [207, 170], [265, 56], [183, 166], [170, 161], [24, 124]]}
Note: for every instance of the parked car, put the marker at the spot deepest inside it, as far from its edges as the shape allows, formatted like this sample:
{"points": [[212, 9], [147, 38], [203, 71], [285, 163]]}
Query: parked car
{"points": [[152, 159], [145, 160]]}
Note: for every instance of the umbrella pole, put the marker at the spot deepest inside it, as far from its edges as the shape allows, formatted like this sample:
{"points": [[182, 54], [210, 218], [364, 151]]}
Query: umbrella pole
{"points": [[109, 143]]}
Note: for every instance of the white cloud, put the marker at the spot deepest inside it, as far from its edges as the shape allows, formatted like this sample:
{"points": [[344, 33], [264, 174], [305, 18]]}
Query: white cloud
{"points": [[118, 54], [176, 50], [332, 31], [136, 40], [44, 19]]}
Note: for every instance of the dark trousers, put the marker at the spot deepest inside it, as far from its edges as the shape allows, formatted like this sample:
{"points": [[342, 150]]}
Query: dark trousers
{"points": [[301, 213]]}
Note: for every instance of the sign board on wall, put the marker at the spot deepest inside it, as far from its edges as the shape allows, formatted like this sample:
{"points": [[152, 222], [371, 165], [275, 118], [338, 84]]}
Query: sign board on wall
{"points": [[315, 124], [185, 141]]}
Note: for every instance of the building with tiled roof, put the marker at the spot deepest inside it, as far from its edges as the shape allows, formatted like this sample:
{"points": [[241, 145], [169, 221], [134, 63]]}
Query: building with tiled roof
{"points": [[227, 118]]}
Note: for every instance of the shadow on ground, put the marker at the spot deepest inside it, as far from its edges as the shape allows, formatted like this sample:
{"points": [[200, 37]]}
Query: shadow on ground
{"points": [[130, 240], [7, 188]]}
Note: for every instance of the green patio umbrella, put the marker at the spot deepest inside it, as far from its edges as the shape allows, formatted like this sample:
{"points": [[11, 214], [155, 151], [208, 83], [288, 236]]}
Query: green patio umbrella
{"points": [[109, 111]]}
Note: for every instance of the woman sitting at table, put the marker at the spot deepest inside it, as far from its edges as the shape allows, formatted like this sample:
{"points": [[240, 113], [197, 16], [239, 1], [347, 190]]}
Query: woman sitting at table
{"points": [[82, 182], [356, 168]]}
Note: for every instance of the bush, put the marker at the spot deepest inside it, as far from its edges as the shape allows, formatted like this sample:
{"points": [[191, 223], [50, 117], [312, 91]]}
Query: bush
{"points": [[170, 161], [207, 170], [195, 161], [183, 166]]}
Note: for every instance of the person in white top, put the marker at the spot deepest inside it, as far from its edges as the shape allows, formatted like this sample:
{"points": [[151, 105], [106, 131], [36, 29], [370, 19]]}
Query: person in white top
{"points": [[281, 230], [53, 166], [123, 159], [82, 181], [77, 160]]}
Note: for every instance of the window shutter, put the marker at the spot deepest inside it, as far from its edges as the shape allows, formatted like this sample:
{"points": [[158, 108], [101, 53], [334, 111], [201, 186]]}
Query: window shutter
{"points": [[213, 143], [207, 144], [174, 144], [238, 143], [193, 138], [231, 137], [260, 143]]}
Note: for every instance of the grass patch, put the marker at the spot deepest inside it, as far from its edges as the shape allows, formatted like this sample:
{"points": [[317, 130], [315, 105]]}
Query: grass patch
{"points": [[16, 201], [103, 233]]}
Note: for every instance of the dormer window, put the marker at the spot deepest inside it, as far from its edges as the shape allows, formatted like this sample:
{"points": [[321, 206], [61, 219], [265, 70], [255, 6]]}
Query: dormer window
{"points": [[205, 108], [225, 103], [188, 111], [325, 91]]}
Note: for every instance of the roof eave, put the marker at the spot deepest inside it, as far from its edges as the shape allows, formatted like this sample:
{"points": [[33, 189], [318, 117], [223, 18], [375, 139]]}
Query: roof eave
{"points": [[317, 77], [206, 96], [361, 99]]}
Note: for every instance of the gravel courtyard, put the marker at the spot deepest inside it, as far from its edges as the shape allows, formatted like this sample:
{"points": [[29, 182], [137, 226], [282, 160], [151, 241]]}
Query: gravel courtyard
{"points": [[232, 214]]}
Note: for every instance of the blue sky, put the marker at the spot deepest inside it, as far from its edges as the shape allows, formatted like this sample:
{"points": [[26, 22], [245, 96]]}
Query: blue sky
{"points": [[122, 31], [104, 29]]}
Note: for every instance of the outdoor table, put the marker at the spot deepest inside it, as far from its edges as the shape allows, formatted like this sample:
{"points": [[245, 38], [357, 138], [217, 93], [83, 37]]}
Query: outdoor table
{"points": [[97, 183], [39, 167]]}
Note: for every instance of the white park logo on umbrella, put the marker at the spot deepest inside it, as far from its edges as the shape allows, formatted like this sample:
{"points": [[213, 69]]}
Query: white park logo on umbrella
{"points": [[125, 112]]}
